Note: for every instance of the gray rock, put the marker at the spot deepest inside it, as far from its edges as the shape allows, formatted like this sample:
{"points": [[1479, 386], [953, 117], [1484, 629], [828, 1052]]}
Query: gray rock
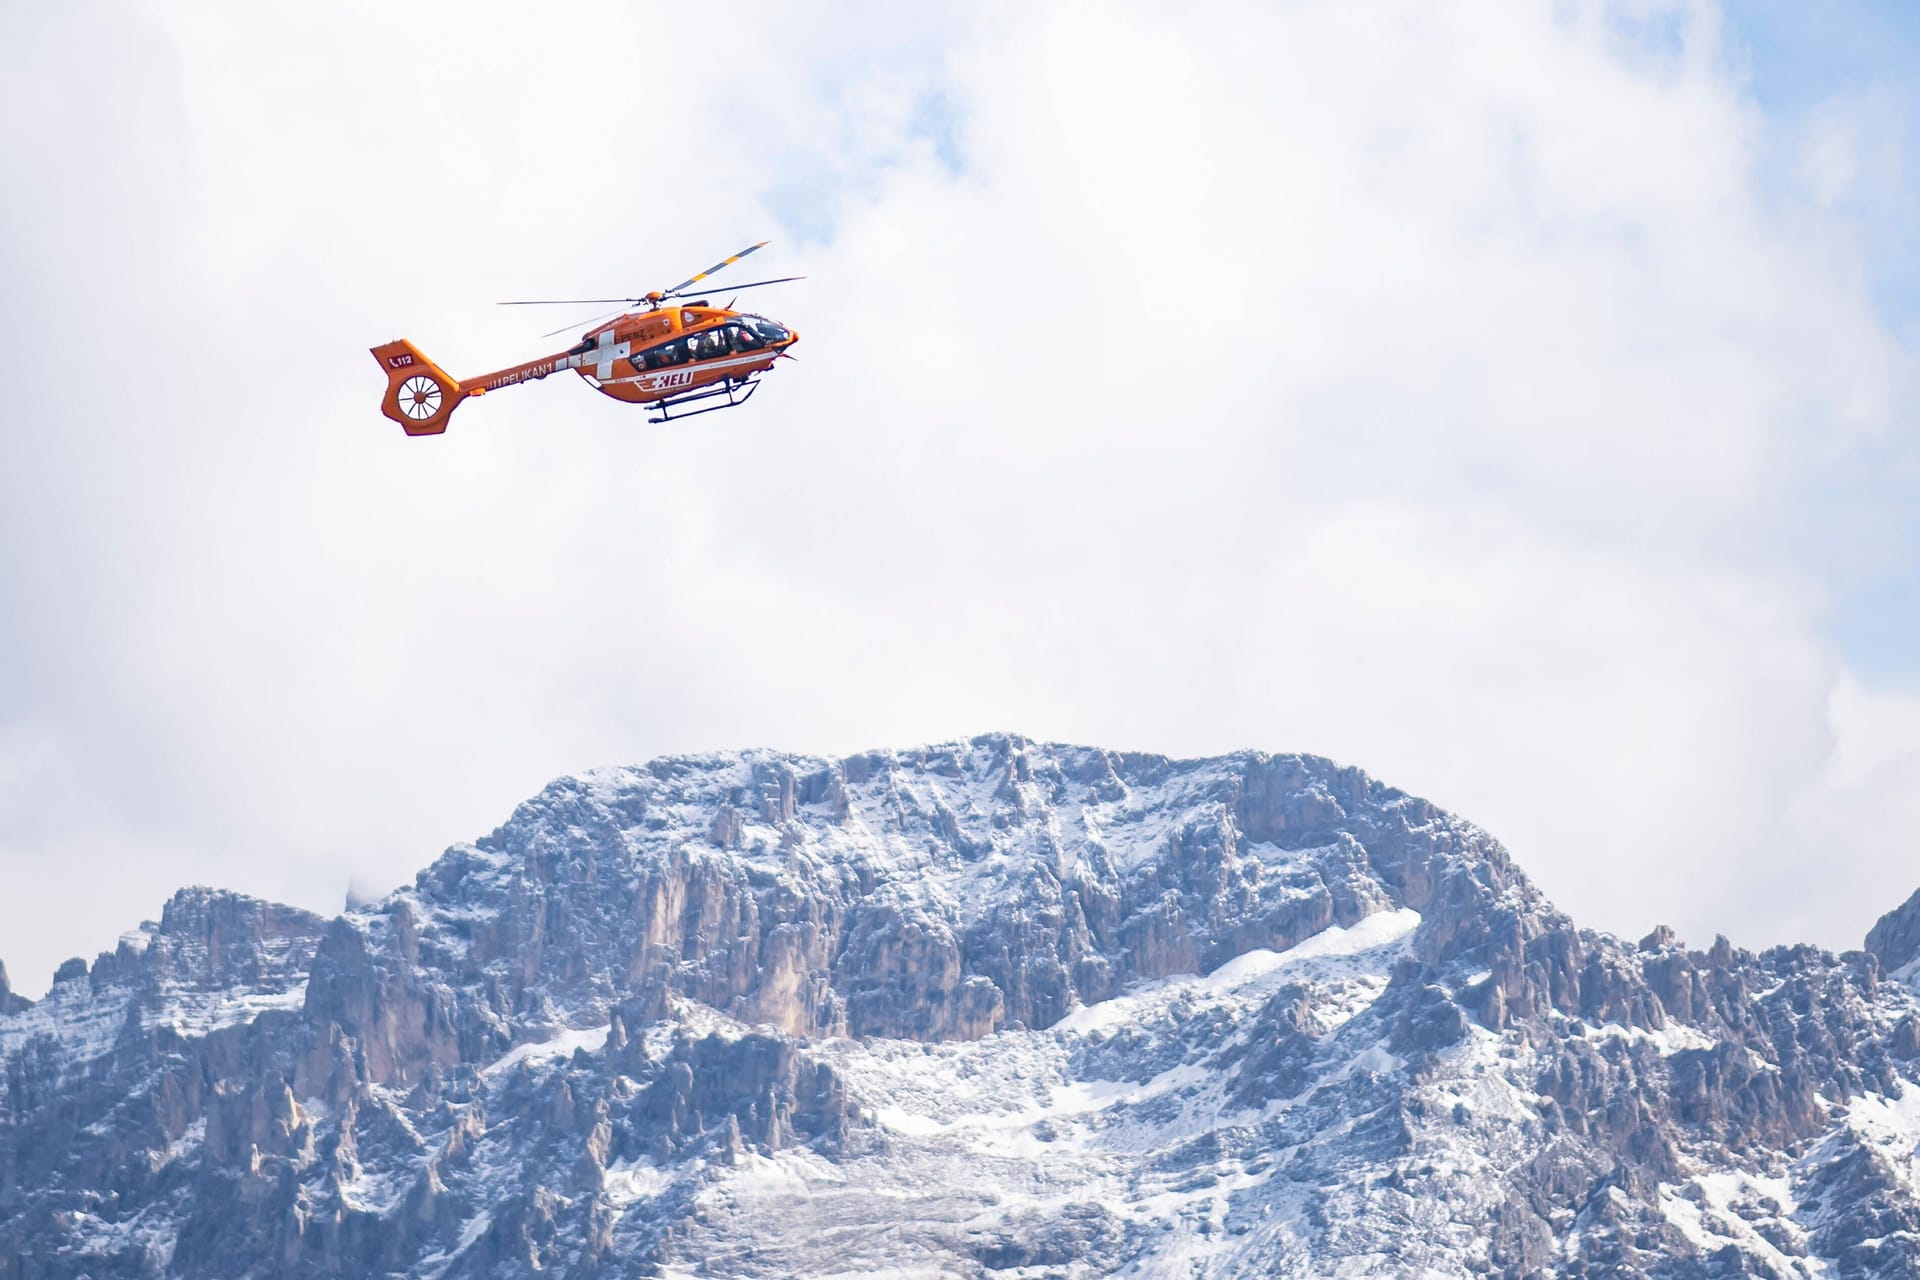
{"points": [[9, 1002], [776, 1015], [1895, 936]]}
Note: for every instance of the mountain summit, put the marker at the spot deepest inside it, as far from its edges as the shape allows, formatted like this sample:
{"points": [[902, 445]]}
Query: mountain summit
{"points": [[992, 1008]]}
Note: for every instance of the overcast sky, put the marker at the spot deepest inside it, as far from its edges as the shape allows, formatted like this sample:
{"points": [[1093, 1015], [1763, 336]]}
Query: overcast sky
{"points": [[1514, 400]]}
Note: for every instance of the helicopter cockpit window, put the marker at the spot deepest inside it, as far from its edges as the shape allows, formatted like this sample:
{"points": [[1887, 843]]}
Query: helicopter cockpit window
{"points": [[744, 338], [767, 329]]}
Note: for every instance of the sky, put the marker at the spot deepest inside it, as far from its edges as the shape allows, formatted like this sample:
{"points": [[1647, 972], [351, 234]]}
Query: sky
{"points": [[1515, 401]]}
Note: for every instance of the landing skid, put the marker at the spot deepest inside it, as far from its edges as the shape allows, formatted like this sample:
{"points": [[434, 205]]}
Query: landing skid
{"points": [[737, 391]]}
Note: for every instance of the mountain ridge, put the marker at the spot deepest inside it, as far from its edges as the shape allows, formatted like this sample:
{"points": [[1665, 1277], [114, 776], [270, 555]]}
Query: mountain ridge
{"points": [[600, 1033]]}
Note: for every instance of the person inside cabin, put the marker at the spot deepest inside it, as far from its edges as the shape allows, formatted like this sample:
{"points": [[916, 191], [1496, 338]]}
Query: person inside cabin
{"points": [[745, 339]]}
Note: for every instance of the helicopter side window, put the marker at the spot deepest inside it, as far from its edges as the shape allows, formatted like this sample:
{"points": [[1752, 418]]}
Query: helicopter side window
{"points": [[744, 339], [662, 356]]}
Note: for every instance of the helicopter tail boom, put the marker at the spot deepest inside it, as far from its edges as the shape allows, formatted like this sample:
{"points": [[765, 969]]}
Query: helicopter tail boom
{"points": [[421, 396]]}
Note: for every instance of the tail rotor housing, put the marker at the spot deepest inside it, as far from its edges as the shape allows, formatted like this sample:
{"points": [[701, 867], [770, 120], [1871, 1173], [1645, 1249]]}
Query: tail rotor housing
{"points": [[420, 394]]}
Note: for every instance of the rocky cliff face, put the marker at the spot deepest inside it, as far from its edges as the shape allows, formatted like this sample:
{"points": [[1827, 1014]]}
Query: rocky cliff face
{"points": [[987, 1008], [9, 1002], [1895, 937]]}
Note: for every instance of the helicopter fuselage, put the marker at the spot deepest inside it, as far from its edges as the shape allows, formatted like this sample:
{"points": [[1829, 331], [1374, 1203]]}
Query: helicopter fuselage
{"points": [[671, 355], [666, 357], [654, 355], [663, 354]]}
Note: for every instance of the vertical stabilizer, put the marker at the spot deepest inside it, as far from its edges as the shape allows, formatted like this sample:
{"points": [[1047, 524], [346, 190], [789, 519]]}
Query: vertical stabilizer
{"points": [[420, 395]]}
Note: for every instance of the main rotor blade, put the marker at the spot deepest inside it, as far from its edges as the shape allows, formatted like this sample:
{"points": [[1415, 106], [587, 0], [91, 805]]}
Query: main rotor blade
{"points": [[582, 324], [567, 302], [726, 262], [737, 287]]}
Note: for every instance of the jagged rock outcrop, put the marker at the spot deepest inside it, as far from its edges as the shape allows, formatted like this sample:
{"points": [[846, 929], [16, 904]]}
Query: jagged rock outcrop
{"points": [[9, 1002], [996, 1007], [1895, 938]]}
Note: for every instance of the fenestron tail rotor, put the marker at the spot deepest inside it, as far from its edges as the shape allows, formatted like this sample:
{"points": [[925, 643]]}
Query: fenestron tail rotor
{"points": [[420, 394], [419, 397]]}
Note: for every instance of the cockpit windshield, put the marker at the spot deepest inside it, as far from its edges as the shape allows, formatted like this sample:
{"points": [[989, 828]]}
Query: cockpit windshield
{"points": [[766, 328]]}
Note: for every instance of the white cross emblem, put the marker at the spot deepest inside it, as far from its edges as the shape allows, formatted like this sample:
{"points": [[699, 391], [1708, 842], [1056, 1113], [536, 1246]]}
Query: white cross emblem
{"points": [[602, 356]]}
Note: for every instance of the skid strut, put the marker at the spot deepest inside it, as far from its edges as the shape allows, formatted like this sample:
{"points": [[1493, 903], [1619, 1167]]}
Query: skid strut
{"points": [[732, 393]]}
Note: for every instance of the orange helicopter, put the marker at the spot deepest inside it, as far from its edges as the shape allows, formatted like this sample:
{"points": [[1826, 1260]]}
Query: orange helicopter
{"points": [[667, 357]]}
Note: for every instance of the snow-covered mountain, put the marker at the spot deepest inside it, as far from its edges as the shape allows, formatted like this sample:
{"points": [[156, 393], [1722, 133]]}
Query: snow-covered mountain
{"points": [[994, 1008]]}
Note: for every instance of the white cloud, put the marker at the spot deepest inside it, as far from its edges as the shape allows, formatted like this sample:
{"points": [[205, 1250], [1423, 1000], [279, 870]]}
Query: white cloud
{"points": [[1426, 388]]}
